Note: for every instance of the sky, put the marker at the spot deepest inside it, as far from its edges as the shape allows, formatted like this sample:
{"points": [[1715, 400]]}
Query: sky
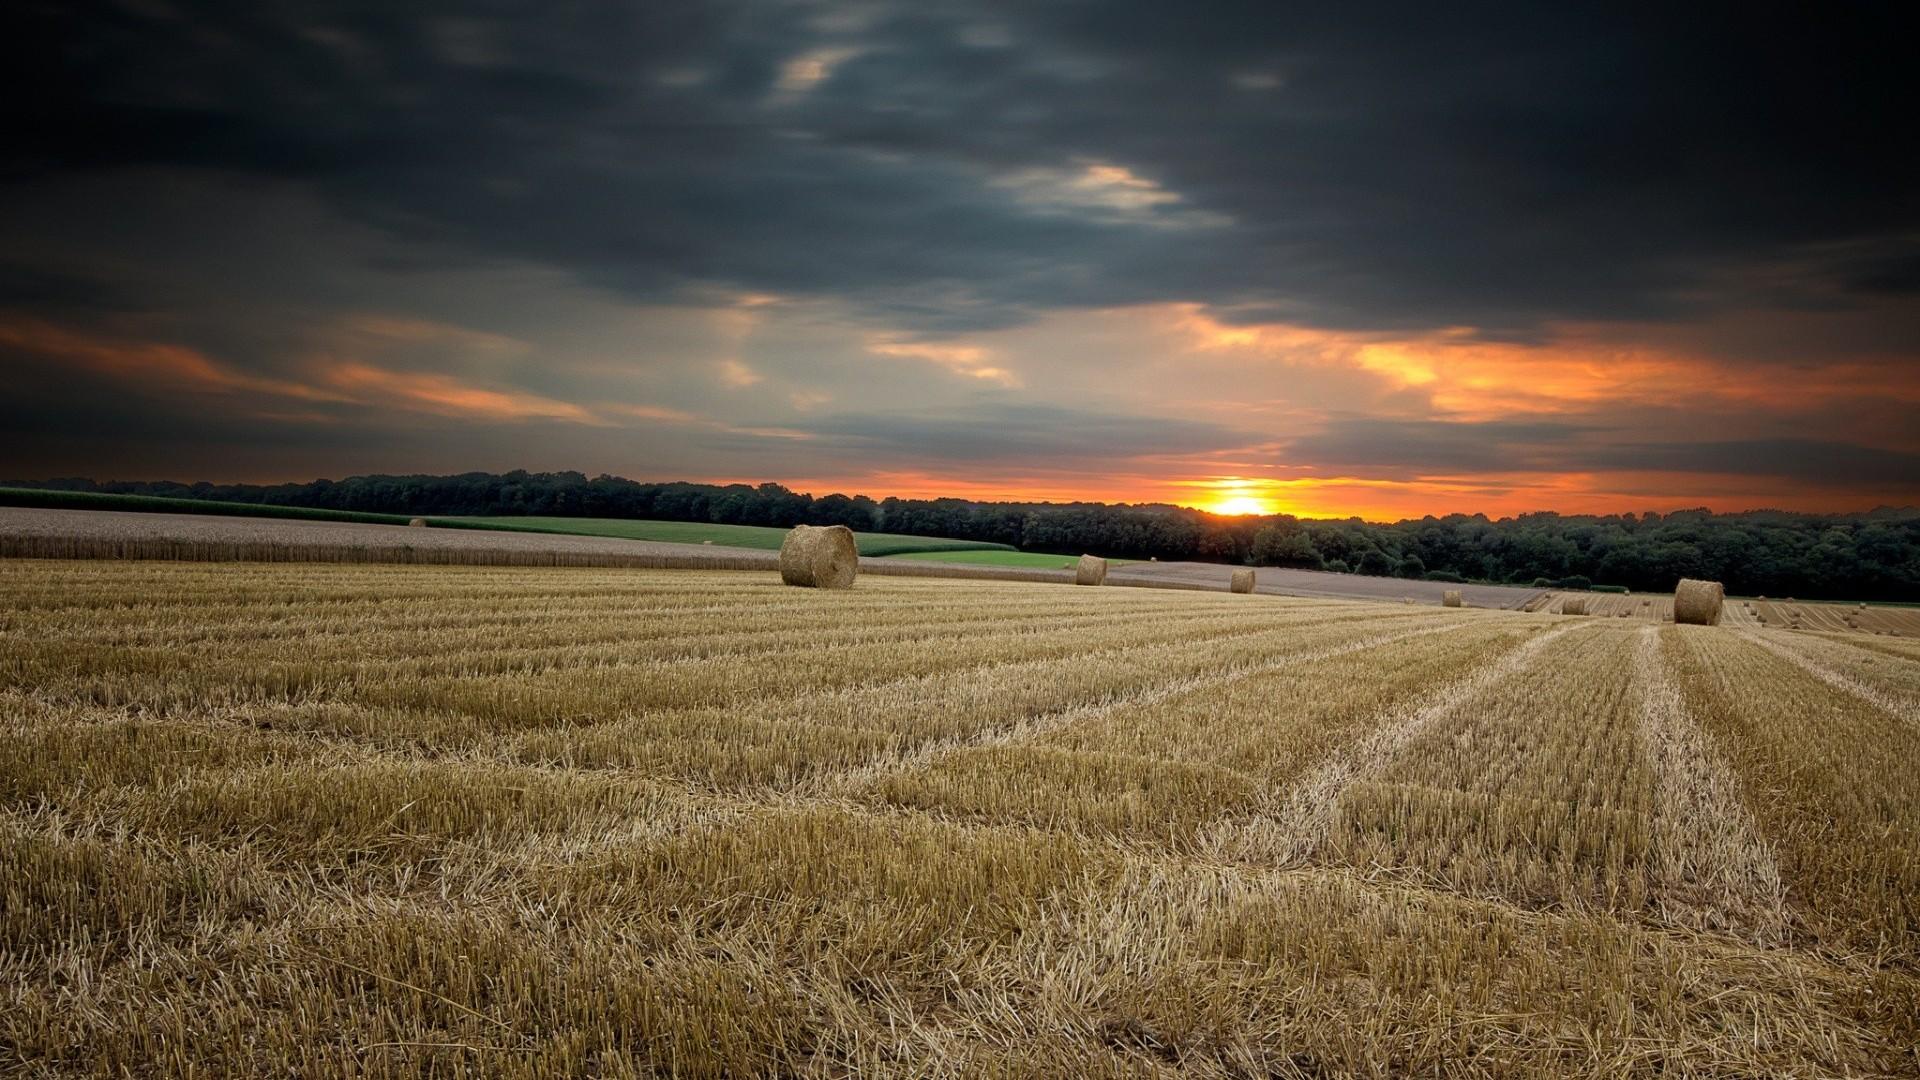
{"points": [[1322, 259]]}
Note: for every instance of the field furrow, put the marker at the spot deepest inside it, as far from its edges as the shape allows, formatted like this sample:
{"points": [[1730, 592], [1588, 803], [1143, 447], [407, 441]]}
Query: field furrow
{"points": [[461, 821], [1711, 870], [1886, 682], [1531, 786], [1298, 828], [1831, 783], [1074, 768]]}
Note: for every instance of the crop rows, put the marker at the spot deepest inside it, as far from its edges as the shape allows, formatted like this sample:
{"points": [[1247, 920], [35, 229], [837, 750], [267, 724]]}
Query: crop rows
{"points": [[442, 821]]}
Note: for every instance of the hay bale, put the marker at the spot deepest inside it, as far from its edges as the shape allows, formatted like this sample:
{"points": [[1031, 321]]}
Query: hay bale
{"points": [[417, 523], [1450, 598], [1242, 580], [709, 543], [1091, 571], [1574, 605], [1698, 602], [819, 557]]}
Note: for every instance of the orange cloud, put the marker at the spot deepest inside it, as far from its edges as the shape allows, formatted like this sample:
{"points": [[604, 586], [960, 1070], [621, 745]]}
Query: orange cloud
{"points": [[172, 366], [737, 374], [448, 396], [1470, 379], [968, 360]]}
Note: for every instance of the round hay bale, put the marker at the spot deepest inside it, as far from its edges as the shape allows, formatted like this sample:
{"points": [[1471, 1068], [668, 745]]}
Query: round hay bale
{"points": [[1450, 598], [417, 523], [709, 543], [1574, 605], [1698, 602], [1242, 581], [1091, 571], [819, 557]]}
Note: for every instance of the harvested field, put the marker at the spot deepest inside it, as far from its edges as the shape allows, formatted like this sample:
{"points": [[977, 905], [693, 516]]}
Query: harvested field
{"points": [[1646, 607], [341, 820], [1279, 581], [102, 534], [1874, 619]]}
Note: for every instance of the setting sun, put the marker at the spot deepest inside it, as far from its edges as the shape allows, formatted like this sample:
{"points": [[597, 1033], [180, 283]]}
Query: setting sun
{"points": [[1239, 505], [1233, 496]]}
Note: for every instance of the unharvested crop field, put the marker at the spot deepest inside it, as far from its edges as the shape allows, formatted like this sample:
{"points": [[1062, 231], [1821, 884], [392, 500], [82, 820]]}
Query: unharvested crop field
{"points": [[289, 819]]}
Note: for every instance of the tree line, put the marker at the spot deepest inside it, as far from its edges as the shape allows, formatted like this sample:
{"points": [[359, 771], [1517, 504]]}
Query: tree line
{"points": [[1873, 555]]}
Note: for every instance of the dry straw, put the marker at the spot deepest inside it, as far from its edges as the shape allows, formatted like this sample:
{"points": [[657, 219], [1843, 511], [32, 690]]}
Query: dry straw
{"points": [[819, 557], [1242, 581], [1450, 598], [1698, 602], [417, 523], [1091, 571], [1574, 605]]}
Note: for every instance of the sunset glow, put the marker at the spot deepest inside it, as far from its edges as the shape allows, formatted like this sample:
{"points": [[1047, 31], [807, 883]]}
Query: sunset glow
{"points": [[991, 259]]}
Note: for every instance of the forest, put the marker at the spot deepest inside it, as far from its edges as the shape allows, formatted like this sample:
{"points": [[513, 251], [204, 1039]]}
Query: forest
{"points": [[1872, 555]]}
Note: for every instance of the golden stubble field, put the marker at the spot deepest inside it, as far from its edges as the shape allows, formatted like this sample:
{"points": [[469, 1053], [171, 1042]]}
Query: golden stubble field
{"points": [[271, 820]]}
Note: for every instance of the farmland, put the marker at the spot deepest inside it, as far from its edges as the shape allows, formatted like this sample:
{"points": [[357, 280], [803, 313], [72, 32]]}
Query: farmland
{"points": [[672, 532], [1038, 560], [745, 536], [403, 820]]}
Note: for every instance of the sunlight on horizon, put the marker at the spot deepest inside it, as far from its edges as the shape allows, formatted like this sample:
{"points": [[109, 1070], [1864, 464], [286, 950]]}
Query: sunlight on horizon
{"points": [[1236, 497]]}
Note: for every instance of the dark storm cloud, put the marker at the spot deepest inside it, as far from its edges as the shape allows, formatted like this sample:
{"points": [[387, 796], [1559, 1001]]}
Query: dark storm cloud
{"points": [[1437, 446], [1406, 448], [45, 289], [1020, 434], [1374, 168], [1813, 461]]}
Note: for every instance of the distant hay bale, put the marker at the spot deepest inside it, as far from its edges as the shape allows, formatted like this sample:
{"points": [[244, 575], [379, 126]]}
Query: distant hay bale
{"points": [[1450, 598], [1091, 571], [709, 543], [819, 557], [417, 523], [1574, 605], [1242, 580], [1698, 602]]}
